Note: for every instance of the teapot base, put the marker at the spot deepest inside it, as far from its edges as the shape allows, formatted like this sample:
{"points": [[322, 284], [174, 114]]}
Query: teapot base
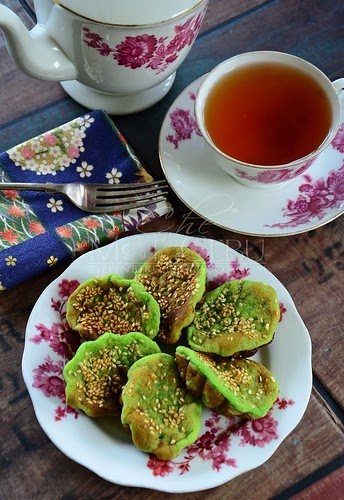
{"points": [[117, 104]]}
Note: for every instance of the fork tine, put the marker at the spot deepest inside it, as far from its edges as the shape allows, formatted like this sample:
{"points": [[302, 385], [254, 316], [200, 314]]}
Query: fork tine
{"points": [[122, 189], [117, 207], [127, 197], [101, 197], [102, 200]]}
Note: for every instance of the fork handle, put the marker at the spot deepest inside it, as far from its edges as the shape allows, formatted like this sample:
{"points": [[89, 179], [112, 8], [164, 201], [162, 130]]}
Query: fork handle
{"points": [[29, 186]]}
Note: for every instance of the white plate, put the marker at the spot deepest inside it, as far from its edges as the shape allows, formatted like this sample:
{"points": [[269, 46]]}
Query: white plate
{"points": [[222, 451], [296, 206]]}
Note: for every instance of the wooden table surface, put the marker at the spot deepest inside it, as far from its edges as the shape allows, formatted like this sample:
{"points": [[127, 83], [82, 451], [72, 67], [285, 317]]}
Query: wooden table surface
{"points": [[309, 463]]}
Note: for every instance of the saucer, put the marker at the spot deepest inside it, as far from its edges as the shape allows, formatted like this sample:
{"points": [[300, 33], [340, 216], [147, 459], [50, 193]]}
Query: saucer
{"points": [[297, 206]]}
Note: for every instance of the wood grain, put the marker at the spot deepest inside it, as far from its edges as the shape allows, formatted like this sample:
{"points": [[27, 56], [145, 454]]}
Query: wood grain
{"points": [[20, 94], [310, 265], [331, 486]]}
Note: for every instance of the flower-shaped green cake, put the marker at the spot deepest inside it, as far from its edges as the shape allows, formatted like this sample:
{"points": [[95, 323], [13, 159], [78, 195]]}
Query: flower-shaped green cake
{"points": [[175, 276], [162, 416], [237, 317], [112, 303], [96, 374], [230, 386]]}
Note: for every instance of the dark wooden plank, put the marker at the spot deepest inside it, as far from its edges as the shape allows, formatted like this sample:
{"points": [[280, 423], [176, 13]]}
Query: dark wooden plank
{"points": [[309, 265], [220, 11], [28, 95], [21, 94], [331, 486]]}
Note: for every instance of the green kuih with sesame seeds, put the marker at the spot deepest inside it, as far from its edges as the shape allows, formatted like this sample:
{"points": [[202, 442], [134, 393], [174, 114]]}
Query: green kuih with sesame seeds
{"points": [[112, 303], [161, 415], [229, 386], [235, 318], [176, 278], [96, 374]]}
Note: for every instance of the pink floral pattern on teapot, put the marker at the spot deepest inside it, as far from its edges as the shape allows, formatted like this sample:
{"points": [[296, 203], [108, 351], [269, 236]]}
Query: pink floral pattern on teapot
{"points": [[147, 50]]}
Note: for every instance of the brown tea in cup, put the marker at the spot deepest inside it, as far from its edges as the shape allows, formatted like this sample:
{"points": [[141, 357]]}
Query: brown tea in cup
{"points": [[267, 113]]}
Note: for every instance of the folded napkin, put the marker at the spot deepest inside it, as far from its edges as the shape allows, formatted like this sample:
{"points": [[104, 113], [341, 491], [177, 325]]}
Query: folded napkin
{"points": [[39, 230]]}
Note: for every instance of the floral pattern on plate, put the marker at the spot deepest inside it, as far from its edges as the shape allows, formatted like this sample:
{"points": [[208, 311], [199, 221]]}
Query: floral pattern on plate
{"points": [[215, 444], [296, 206], [183, 124], [220, 450]]}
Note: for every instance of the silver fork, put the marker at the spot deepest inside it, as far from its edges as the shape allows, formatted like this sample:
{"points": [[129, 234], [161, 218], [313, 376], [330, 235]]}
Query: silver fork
{"points": [[100, 198]]}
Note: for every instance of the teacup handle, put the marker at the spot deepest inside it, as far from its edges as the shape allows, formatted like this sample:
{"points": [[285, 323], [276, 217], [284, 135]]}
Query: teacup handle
{"points": [[339, 88]]}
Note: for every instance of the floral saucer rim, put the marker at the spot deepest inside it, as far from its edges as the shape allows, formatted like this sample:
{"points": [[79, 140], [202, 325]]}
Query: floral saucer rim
{"points": [[293, 207], [224, 448]]}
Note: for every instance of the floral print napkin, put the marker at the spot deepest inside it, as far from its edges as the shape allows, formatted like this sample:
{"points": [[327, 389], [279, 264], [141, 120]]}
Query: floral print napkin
{"points": [[37, 229]]}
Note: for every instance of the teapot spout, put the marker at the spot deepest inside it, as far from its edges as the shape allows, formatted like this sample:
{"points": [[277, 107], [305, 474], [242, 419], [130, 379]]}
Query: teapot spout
{"points": [[34, 52]]}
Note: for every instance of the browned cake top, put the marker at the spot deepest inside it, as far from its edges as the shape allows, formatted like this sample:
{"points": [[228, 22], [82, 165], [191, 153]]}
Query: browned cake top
{"points": [[175, 276]]}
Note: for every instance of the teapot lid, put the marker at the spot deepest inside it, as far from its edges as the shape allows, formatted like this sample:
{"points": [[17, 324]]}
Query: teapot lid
{"points": [[129, 12]]}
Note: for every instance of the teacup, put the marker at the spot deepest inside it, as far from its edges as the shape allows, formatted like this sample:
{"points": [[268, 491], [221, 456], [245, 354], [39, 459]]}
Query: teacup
{"points": [[267, 116], [120, 56]]}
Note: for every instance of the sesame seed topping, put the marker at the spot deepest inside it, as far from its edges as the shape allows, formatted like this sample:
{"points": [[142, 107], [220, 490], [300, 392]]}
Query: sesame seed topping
{"points": [[108, 307], [100, 368], [166, 414], [232, 318], [173, 280]]}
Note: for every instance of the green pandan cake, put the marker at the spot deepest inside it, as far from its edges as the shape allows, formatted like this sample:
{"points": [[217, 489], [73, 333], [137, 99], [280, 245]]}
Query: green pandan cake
{"points": [[161, 415], [237, 317], [112, 303], [230, 386], [96, 374], [175, 276]]}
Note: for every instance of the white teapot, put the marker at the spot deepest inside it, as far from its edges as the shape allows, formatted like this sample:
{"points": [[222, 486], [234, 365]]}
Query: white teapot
{"points": [[120, 56]]}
